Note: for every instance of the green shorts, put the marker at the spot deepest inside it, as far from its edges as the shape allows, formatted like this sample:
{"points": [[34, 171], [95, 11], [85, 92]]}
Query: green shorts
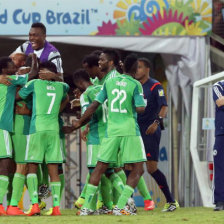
{"points": [[124, 149], [92, 153], [44, 146], [5, 144], [63, 149], [19, 147]]}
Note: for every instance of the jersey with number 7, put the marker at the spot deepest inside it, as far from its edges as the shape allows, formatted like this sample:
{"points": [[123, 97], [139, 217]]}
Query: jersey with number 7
{"points": [[124, 94], [47, 97]]}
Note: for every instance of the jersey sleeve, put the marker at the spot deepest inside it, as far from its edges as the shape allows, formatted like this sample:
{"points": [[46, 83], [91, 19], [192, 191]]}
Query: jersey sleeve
{"points": [[55, 58], [159, 95], [65, 90], [217, 90], [138, 96], [84, 102], [19, 80], [27, 89], [22, 48], [102, 95]]}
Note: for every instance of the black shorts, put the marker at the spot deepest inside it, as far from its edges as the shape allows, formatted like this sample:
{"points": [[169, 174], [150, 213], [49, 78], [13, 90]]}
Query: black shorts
{"points": [[151, 143]]}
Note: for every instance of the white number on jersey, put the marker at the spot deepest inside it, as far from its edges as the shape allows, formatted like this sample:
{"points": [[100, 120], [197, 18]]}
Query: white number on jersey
{"points": [[120, 95], [53, 95]]}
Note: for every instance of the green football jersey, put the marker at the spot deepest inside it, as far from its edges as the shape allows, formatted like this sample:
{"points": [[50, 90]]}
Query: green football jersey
{"points": [[97, 125], [7, 101], [22, 122], [124, 94], [113, 73], [47, 97]]}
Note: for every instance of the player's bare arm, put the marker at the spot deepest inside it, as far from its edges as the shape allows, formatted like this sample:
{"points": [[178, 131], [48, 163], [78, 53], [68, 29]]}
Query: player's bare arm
{"points": [[84, 133], [140, 110], [34, 67], [86, 116], [64, 103], [5, 80], [48, 75]]}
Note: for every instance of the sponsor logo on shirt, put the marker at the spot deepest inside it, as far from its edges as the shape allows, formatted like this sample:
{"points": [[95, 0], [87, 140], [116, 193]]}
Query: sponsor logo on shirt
{"points": [[161, 92], [121, 83]]}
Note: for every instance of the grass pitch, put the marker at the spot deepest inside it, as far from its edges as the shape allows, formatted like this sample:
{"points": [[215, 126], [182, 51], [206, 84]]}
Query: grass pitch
{"points": [[191, 215]]}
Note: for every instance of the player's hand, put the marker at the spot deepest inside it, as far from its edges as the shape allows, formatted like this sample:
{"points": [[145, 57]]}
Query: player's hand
{"points": [[22, 109], [76, 124], [5, 80], [151, 129], [84, 134], [46, 75], [220, 101], [23, 70], [75, 103]]}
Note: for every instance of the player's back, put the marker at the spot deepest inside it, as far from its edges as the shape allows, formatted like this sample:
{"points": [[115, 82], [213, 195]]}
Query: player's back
{"points": [[124, 94], [47, 98]]}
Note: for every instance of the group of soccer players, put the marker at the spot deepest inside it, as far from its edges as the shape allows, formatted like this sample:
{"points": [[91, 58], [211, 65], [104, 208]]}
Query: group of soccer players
{"points": [[33, 135]]}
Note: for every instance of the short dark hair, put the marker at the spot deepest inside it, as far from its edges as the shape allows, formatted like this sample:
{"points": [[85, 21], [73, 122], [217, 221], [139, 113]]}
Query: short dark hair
{"points": [[48, 65], [112, 56], [146, 62], [91, 60], [130, 63], [4, 62], [39, 25], [97, 53], [80, 74]]}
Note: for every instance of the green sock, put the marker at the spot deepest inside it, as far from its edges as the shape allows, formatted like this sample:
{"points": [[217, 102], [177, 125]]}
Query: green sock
{"points": [[106, 191], [9, 193], [4, 182], [83, 193], [122, 175], [143, 189], [116, 196], [126, 194], [92, 205], [62, 181], [55, 190], [90, 192], [32, 187], [17, 188], [100, 197], [117, 182], [39, 175], [45, 174]]}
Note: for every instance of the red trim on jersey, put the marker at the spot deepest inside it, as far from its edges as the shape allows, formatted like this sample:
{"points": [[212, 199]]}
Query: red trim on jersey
{"points": [[154, 85]]}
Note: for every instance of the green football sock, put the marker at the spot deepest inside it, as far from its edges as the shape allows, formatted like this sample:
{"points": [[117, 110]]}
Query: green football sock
{"points": [[126, 194], [122, 175], [143, 189], [17, 188], [90, 192], [39, 175], [117, 182], [62, 181], [9, 193], [92, 205], [116, 196], [55, 190], [4, 182], [83, 193], [32, 187], [100, 197], [45, 174], [106, 190]]}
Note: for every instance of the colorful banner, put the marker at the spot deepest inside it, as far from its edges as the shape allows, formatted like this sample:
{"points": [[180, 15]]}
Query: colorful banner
{"points": [[108, 17]]}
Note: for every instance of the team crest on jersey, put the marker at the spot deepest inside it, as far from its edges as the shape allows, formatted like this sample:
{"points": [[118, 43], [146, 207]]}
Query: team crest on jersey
{"points": [[161, 92]]}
